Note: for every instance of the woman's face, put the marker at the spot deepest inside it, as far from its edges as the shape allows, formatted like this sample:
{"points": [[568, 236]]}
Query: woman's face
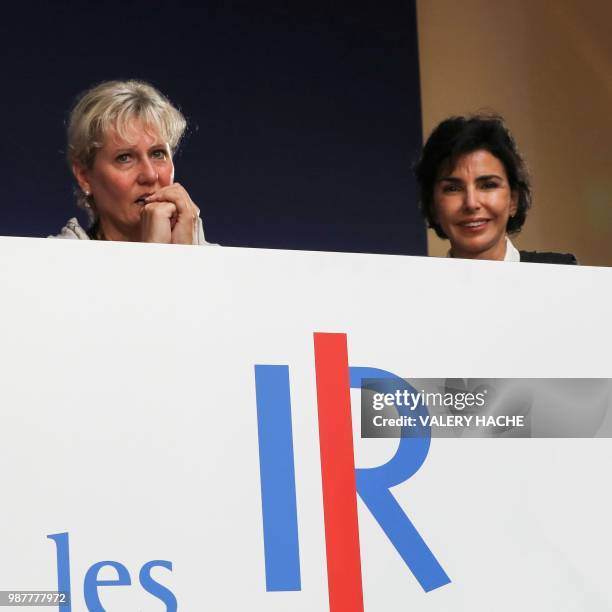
{"points": [[472, 203], [124, 171]]}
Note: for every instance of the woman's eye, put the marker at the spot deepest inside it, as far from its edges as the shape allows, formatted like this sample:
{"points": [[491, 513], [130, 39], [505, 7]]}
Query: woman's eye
{"points": [[450, 188], [124, 157], [490, 185], [160, 154]]}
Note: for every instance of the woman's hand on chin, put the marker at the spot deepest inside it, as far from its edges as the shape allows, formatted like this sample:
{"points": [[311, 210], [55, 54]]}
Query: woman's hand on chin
{"points": [[156, 222], [170, 216]]}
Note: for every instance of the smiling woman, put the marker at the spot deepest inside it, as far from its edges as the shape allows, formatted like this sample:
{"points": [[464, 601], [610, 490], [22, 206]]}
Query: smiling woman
{"points": [[122, 136], [474, 190]]}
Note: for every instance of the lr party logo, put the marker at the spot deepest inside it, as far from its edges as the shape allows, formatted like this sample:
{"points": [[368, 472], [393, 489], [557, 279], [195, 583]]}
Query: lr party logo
{"points": [[340, 480], [341, 484]]}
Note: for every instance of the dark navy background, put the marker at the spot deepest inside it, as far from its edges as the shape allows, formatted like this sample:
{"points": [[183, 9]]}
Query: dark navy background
{"points": [[305, 118]]}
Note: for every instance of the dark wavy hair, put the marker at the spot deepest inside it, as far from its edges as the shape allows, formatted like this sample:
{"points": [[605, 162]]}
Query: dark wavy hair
{"points": [[457, 136]]}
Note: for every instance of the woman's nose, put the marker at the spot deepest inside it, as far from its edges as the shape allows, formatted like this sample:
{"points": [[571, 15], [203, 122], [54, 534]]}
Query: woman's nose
{"points": [[471, 199], [148, 173]]}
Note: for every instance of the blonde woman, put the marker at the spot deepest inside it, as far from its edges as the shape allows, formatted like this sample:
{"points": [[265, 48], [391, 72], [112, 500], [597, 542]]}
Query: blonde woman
{"points": [[122, 136]]}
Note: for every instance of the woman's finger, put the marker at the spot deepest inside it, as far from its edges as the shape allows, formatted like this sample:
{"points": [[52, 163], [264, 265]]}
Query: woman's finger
{"points": [[157, 221], [187, 213]]}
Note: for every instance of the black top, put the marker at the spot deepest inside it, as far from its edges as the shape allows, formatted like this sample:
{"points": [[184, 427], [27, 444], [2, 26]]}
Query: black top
{"points": [[552, 258]]}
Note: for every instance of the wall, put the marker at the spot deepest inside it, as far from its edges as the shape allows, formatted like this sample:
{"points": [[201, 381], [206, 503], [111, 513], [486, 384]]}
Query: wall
{"points": [[303, 118]]}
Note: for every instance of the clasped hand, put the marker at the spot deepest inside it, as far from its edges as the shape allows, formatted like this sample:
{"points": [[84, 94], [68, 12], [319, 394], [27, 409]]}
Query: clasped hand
{"points": [[169, 216]]}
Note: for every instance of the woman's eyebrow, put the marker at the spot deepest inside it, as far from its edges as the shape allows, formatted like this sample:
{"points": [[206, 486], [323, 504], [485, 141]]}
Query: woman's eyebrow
{"points": [[450, 179], [488, 177], [125, 147]]}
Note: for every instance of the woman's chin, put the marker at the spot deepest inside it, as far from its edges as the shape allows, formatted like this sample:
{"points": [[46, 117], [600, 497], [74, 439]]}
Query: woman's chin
{"points": [[473, 247]]}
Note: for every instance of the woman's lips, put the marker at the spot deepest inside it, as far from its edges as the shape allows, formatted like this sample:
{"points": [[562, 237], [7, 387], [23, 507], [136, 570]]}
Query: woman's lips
{"points": [[476, 225], [141, 199]]}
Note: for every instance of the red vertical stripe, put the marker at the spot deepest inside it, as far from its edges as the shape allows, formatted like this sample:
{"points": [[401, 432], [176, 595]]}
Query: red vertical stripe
{"points": [[338, 473]]}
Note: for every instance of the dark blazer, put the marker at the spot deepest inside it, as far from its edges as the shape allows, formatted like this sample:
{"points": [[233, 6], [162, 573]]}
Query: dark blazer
{"points": [[553, 258]]}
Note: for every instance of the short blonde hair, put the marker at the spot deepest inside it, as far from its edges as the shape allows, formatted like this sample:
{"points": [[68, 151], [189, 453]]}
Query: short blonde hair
{"points": [[113, 105]]}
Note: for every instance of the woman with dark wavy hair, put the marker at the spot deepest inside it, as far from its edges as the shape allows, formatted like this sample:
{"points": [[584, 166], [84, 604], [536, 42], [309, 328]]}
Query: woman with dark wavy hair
{"points": [[474, 190]]}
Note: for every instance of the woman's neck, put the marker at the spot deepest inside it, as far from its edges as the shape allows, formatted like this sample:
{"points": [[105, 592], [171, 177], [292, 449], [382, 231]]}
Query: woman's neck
{"points": [[110, 231]]}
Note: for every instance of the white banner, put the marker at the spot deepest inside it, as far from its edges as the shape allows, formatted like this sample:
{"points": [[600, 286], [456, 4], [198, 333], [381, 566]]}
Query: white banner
{"points": [[148, 464]]}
